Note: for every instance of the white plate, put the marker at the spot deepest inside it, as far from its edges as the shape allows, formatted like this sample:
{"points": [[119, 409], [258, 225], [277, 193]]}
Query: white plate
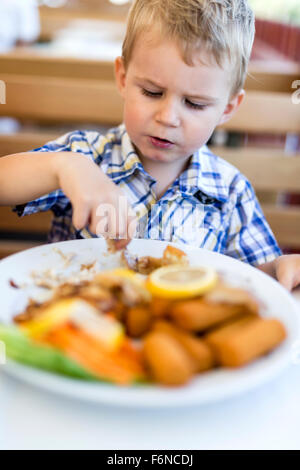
{"points": [[207, 387]]}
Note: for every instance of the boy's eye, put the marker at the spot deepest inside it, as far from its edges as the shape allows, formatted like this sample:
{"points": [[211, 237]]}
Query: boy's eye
{"points": [[157, 94], [152, 94], [195, 105]]}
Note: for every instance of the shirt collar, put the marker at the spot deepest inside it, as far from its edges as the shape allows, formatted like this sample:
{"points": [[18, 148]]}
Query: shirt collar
{"points": [[125, 160], [203, 172]]}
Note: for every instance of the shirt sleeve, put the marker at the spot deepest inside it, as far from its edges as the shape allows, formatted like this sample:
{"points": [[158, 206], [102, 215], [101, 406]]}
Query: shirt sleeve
{"points": [[250, 237], [56, 201]]}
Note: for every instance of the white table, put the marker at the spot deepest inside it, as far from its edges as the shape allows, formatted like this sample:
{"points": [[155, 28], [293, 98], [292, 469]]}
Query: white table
{"points": [[266, 418]]}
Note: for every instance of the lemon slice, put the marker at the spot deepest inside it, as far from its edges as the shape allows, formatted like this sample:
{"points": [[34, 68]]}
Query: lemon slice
{"points": [[104, 328], [50, 317], [178, 281]]}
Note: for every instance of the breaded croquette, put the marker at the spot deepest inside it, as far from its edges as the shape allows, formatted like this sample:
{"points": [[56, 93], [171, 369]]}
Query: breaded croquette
{"points": [[199, 315], [200, 353], [160, 307], [138, 321], [167, 361], [241, 341], [234, 296]]}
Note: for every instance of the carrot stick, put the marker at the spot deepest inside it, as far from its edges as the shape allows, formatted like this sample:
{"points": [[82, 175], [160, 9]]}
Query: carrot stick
{"points": [[120, 367]]}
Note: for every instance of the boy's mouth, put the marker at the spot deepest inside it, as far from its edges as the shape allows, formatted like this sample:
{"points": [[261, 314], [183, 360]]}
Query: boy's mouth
{"points": [[161, 143]]}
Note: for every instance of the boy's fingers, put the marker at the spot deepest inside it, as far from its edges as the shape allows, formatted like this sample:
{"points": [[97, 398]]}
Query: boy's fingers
{"points": [[81, 214], [100, 226], [126, 231], [132, 225], [288, 271], [287, 281], [285, 276]]}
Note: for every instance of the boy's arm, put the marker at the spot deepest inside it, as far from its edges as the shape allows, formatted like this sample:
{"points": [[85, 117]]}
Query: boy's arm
{"points": [[26, 176], [268, 268], [286, 269]]}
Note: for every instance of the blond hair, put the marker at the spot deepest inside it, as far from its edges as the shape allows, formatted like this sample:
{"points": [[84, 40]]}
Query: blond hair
{"points": [[224, 28]]}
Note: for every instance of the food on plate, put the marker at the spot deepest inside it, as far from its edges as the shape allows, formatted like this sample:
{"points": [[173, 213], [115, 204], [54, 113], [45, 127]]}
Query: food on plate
{"points": [[138, 321], [243, 340], [114, 245], [160, 307], [147, 264], [200, 353], [167, 360], [177, 281], [199, 314], [122, 366], [19, 347], [82, 315], [216, 306], [126, 328]]}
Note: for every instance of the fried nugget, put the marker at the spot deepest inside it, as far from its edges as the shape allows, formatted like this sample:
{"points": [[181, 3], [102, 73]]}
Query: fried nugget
{"points": [[160, 307], [138, 321], [233, 296], [199, 315], [167, 361], [172, 255], [243, 340], [200, 353]]}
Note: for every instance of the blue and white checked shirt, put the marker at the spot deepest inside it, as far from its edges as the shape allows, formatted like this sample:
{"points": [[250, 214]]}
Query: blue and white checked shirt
{"points": [[210, 205]]}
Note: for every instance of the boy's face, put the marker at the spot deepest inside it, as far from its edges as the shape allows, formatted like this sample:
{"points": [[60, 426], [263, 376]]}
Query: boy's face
{"points": [[171, 108]]}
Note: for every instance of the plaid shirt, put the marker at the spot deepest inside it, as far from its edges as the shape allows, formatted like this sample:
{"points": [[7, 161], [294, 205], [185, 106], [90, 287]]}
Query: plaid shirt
{"points": [[210, 205]]}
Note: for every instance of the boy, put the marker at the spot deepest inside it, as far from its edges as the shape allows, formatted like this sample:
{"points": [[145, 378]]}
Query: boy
{"points": [[181, 74]]}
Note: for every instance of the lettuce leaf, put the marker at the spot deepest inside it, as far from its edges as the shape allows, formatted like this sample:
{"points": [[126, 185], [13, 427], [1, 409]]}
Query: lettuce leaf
{"points": [[22, 349]]}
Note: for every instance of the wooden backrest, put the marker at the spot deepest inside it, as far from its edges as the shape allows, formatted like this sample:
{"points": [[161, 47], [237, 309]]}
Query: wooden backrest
{"points": [[27, 62], [266, 112], [46, 89], [270, 171], [54, 19], [261, 78], [51, 99]]}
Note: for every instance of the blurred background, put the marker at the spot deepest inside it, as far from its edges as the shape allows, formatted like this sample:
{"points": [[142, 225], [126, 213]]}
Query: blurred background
{"points": [[281, 10], [57, 71], [72, 27]]}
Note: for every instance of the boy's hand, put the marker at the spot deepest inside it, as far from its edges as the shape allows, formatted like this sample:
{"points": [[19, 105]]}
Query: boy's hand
{"points": [[96, 200], [286, 269]]}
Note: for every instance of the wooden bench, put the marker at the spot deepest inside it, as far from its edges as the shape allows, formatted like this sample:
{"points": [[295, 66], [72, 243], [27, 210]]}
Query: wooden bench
{"points": [[52, 90], [55, 19]]}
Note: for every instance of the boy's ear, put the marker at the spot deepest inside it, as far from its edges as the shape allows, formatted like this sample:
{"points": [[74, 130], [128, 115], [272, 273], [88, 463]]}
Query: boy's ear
{"points": [[120, 74], [232, 107]]}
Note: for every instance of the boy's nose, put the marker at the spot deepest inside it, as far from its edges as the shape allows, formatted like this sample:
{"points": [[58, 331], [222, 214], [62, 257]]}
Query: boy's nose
{"points": [[167, 113]]}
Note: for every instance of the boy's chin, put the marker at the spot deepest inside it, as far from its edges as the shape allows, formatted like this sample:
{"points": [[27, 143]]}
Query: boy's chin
{"points": [[159, 158], [163, 157]]}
